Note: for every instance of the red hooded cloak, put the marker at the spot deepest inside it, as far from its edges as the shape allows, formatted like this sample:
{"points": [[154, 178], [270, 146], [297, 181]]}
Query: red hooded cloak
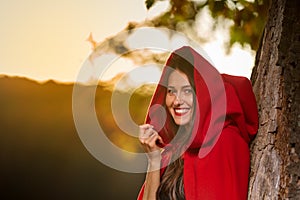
{"points": [[217, 158]]}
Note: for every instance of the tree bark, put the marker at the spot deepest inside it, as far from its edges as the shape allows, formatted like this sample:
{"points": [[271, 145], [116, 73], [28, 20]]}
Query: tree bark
{"points": [[275, 161]]}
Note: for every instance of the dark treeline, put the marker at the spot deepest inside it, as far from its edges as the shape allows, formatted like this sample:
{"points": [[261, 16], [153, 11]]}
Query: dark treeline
{"points": [[41, 155]]}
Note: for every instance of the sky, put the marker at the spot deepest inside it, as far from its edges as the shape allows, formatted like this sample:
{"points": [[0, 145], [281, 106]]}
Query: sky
{"points": [[47, 39]]}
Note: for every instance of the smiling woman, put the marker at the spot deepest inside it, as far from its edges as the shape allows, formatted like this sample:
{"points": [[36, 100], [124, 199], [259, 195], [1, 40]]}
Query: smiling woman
{"points": [[179, 99], [180, 94], [199, 148]]}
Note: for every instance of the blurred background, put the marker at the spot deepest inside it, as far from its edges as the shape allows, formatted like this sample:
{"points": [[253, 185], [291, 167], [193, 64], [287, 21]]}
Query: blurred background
{"points": [[44, 47]]}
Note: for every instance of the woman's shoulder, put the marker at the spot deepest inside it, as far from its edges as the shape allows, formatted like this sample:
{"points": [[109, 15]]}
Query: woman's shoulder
{"points": [[236, 80]]}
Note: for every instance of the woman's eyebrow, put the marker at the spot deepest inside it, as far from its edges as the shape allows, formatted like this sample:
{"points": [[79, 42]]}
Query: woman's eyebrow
{"points": [[169, 86], [185, 86]]}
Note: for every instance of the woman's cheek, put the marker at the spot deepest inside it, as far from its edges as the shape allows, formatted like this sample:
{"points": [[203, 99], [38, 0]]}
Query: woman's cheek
{"points": [[169, 101]]}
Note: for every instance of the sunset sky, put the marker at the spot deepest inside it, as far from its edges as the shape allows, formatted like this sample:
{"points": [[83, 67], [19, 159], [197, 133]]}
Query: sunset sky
{"points": [[43, 39]]}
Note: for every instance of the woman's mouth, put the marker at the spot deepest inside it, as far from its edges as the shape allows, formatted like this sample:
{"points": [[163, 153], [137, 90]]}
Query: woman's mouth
{"points": [[181, 111]]}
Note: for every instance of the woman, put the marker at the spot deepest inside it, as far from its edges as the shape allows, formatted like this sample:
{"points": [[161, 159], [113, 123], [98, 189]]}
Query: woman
{"points": [[197, 132]]}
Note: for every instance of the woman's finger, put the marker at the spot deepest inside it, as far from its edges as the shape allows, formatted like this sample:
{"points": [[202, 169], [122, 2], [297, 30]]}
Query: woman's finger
{"points": [[149, 132], [150, 141], [145, 126], [146, 130], [147, 137]]}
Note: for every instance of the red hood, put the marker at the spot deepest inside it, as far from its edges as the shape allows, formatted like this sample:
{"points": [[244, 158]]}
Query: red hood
{"points": [[221, 100]]}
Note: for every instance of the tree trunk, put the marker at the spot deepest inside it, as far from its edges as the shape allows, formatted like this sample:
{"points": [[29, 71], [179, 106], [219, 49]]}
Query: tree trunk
{"points": [[275, 167]]}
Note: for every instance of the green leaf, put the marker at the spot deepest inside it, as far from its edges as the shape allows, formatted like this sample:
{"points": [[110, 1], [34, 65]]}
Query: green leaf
{"points": [[149, 3]]}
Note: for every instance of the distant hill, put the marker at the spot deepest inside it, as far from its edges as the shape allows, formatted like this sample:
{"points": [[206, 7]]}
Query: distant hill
{"points": [[41, 155]]}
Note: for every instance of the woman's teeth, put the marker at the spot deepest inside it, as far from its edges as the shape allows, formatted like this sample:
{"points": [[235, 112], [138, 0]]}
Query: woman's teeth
{"points": [[181, 110]]}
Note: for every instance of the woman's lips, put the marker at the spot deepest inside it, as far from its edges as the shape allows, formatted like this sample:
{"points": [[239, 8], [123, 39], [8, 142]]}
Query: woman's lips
{"points": [[181, 111]]}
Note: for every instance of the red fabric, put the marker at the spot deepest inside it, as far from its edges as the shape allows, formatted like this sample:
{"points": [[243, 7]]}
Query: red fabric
{"points": [[216, 160]]}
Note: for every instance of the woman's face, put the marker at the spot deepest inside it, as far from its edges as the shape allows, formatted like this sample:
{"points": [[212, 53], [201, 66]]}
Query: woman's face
{"points": [[179, 98]]}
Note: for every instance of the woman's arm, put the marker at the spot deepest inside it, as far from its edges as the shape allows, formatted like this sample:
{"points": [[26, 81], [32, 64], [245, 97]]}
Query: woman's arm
{"points": [[148, 137], [152, 180]]}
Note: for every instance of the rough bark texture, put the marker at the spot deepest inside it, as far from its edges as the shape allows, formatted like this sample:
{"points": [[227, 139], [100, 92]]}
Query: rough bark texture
{"points": [[275, 168]]}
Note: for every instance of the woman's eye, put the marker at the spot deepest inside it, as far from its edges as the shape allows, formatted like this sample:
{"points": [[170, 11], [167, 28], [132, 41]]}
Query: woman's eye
{"points": [[171, 91], [188, 91]]}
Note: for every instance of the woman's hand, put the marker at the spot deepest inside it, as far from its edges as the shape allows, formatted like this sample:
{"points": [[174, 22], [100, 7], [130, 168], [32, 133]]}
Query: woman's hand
{"points": [[148, 138]]}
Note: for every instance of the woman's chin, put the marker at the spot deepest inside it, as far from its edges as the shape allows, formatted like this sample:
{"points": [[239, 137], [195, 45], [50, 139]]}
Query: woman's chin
{"points": [[182, 121]]}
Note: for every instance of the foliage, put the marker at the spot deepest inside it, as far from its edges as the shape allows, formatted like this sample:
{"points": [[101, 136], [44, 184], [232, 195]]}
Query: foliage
{"points": [[248, 17]]}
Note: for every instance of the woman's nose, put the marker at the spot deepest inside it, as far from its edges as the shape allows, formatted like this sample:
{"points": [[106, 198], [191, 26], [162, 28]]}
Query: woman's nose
{"points": [[178, 100]]}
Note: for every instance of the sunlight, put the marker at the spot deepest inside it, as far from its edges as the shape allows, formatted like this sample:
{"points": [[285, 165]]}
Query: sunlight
{"points": [[42, 41], [144, 75], [157, 8]]}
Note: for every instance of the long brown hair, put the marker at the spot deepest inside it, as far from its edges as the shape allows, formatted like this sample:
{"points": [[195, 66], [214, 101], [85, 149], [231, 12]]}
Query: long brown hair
{"points": [[172, 185]]}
